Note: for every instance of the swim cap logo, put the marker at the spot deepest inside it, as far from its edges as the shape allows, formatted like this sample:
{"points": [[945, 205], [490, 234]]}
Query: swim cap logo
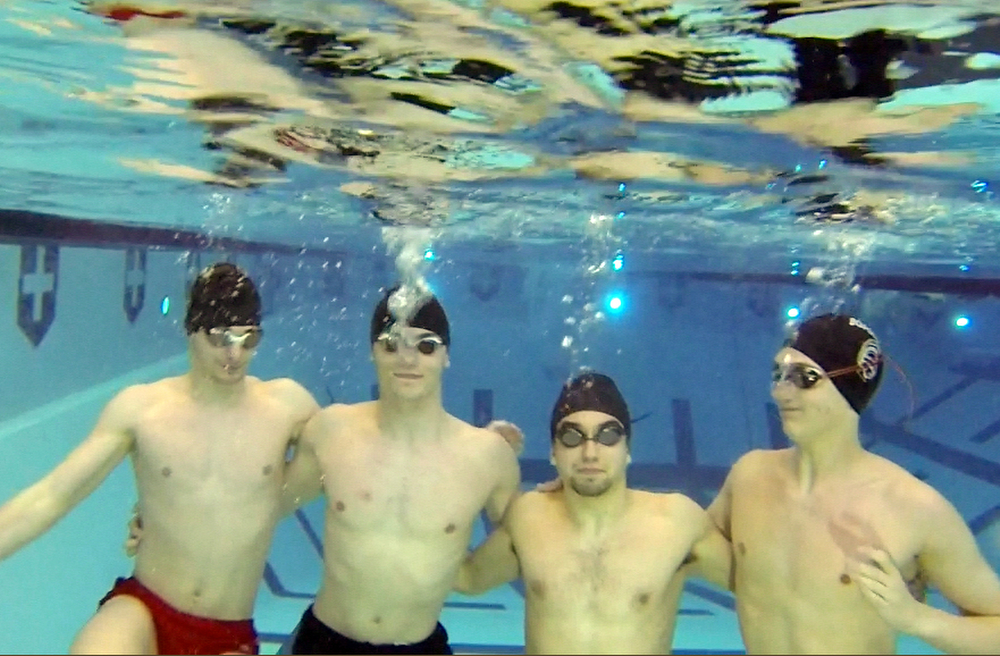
{"points": [[857, 323], [869, 359]]}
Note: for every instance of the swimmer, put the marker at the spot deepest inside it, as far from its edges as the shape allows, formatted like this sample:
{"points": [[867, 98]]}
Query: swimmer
{"points": [[603, 565], [404, 483], [208, 450], [830, 540]]}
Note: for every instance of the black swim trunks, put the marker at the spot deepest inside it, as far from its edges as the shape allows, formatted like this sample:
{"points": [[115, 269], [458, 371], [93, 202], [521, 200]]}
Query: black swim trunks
{"points": [[314, 637]]}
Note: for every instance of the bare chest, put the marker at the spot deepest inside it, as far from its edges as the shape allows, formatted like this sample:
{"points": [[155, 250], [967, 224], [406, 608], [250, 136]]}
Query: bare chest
{"points": [[781, 541], [201, 451], [611, 579], [404, 491]]}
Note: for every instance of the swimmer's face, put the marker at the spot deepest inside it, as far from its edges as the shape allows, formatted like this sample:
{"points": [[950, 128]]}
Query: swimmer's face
{"points": [[224, 353], [409, 361], [807, 399], [598, 461]]}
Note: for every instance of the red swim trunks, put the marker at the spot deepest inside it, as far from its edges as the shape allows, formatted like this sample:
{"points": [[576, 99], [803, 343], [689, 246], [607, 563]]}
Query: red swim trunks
{"points": [[181, 633]]}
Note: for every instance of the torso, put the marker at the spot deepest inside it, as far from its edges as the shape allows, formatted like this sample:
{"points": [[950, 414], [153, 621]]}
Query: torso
{"points": [[613, 594], [209, 482], [399, 518], [791, 549]]}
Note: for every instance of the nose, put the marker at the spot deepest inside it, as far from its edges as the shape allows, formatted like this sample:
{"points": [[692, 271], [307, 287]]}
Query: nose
{"points": [[589, 450], [407, 354], [781, 390]]}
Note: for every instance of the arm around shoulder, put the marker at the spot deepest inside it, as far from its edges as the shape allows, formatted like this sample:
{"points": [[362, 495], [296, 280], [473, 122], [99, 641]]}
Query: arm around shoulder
{"points": [[495, 561], [508, 482], [303, 475], [34, 510], [712, 553]]}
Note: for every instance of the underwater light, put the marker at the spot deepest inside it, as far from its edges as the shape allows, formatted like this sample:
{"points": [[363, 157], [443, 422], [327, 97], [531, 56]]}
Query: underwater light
{"points": [[429, 254], [961, 322], [615, 303], [793, 312], [165, 305], [618, 262]]}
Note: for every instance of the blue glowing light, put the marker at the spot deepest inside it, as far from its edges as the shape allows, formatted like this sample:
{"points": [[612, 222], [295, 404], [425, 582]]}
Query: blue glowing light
{"points": [[615, 303], [961, 322], [822, 164], [621, 188], [793, 312], [429, 254], [618, 262], [798, 167], [620, 215], [963, 267], [165, 305], [980, 186]]}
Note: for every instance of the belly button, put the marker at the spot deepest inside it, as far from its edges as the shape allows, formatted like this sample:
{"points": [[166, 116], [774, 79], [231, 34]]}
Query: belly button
{"points": [[450, 528], [845, 578], [340, 506]]}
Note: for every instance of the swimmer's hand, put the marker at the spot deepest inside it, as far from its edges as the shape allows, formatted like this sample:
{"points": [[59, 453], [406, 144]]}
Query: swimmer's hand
{"points": [[134, 533], [554, 485], [883, 586], [509, 432]]}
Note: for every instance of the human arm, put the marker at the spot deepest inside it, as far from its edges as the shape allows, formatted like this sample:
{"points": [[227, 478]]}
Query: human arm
{"points": [[951, 561], [712, 555], [714, 551], [303, 476], [493, 563], [508, 482], [509, 432], [37, 508]]}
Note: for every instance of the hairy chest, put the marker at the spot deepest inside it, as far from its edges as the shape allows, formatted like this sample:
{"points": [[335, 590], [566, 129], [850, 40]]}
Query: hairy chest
{"points": [[609, 578]]}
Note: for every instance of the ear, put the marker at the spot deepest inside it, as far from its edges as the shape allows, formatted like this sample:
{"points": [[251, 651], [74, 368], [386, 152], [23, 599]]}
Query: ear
{"points": [[552, 458]]}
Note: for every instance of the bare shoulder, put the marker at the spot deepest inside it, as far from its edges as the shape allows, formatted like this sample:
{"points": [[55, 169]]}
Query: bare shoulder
{"points": [[288, 392], [532, 505], [671, 506], [145, 395], [345, 415], [906, 491], [759, 462], [482, 439]]}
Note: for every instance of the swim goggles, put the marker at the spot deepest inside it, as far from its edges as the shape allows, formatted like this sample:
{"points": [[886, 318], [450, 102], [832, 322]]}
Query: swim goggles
{"points": [[570, 436], [225, 337], [805, 376], [427, 344]]}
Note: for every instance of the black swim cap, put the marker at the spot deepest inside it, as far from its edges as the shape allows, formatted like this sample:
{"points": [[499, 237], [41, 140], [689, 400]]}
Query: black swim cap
{"points": [[222, 295], [591, 391], [430, 316], [836, 342]]}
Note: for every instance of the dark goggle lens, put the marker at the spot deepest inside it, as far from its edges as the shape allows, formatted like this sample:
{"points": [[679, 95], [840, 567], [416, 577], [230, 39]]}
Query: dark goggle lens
{"points": [[799, 375], [608, 436], [427, 345], [220, 338]]}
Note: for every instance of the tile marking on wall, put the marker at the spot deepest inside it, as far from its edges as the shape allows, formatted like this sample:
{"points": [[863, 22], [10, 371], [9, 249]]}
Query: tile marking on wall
{"points": [[134, 292], [37, 286]]}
